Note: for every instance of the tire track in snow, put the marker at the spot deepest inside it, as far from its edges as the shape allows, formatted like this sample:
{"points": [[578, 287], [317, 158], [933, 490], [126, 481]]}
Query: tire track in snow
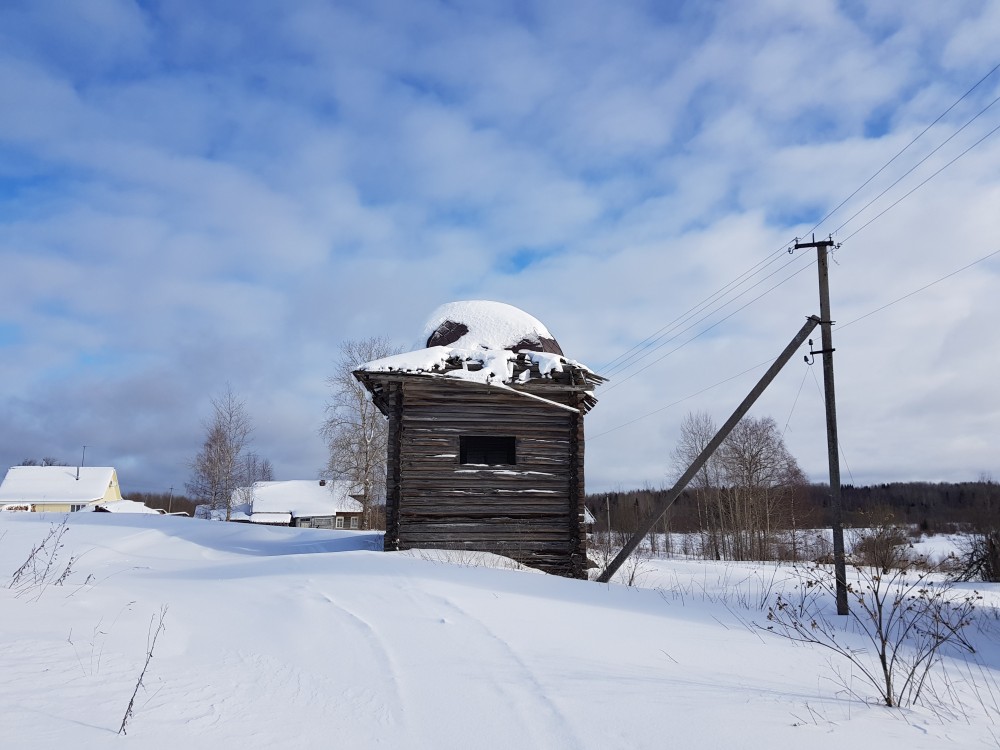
{"points": [[559, 730], [390, 710]]}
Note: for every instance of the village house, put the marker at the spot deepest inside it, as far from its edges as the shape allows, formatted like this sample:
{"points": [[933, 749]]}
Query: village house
{"points": [[59, 489], [304, 503], [486, 438]]}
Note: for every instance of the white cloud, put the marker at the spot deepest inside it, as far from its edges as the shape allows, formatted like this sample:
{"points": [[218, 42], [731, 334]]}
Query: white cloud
{"points": [[209, 197]]}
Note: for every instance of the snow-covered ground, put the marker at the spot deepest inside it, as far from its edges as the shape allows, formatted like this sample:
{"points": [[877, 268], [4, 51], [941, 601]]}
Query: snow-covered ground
{"points": [[300, 638]]}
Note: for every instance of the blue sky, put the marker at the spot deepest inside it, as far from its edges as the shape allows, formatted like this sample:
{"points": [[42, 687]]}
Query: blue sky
{"points": [[200, 193]]}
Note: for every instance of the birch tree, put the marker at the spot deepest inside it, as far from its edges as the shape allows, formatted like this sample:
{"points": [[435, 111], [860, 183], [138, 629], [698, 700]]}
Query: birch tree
{"points": [[354, 429], [224, 463], [697, 430], [746, 491]]}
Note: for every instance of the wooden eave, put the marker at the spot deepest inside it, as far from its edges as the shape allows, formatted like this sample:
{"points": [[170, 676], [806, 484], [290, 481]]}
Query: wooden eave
{"points": [[572, 378]]}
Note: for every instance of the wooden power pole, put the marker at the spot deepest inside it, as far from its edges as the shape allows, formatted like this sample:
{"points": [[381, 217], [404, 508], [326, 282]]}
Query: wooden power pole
{"points": [[832, 445]]}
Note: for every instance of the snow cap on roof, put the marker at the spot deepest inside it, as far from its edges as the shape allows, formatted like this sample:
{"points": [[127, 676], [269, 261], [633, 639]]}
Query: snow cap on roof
{"points": [[481, 324], [489, 343], [303, 497], [126, 506], [56, 484]]}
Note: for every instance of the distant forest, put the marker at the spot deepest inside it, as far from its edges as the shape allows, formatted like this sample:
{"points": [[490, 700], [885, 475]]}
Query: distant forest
{"points": [[167, 501], [931, 507]]}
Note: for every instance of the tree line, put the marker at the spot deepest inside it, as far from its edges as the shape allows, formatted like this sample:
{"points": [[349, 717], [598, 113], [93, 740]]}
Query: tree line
{"points": [[928, 506], [751, 501]]}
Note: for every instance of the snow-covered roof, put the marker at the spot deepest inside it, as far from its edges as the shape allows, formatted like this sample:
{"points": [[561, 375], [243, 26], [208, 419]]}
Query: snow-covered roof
{"points": [[303, 498], [56, 484], [482, 324], [490, 343], [126, 506]]}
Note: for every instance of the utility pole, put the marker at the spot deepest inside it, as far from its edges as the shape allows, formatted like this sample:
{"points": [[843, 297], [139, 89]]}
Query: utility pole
{"points": [[170, 501], [832, 445], [609, 523], [83, 459]]}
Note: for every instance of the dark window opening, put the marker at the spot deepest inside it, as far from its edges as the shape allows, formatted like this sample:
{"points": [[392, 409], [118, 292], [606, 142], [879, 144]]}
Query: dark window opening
{"points": [[483, 449]]}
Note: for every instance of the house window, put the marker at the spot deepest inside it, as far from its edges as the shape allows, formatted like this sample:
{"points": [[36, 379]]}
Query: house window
{"points": [[487, 449], [340, 522], [354, 522], [75, 508]]}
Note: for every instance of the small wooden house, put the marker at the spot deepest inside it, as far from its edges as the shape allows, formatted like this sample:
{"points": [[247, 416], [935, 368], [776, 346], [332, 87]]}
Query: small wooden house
{"points": [[304, 503], [486, 438]]}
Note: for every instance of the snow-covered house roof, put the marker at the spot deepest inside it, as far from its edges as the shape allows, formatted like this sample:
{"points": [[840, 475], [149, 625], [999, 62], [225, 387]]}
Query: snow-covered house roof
{"points": [[490, 343], [126, 506], [55, 485], [279, 502]]}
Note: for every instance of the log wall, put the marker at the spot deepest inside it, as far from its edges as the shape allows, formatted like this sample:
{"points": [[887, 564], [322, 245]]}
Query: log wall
{"points": [[531, 511]]}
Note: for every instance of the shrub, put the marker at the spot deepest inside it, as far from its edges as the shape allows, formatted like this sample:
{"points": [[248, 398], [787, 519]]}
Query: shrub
{"points": [[881, 543], [905, 617], [979, 558]]}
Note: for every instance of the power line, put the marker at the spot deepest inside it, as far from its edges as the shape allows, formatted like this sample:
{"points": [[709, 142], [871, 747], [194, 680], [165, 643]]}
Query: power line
{"points": [[907, 195], [928, 156], [651, 349], [611, 366], [634, 355], [618, 363], [761, 364], [917, 291], [706, 330], [795, 402], [899, 153], [840, 443], [682, 400]]}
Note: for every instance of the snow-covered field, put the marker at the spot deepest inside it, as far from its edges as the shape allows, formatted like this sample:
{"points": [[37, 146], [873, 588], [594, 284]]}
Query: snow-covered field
{"points": [[301, 638]]}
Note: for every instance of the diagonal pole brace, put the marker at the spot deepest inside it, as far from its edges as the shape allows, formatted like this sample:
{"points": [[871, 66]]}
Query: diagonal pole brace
{"points": [[665, 503]]}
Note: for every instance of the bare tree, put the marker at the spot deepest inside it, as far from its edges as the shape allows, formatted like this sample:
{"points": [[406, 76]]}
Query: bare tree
{"points": [[697, 430], [760, 479], [220, 467], [251, 469], [979, 550], [354, 429], [747, 491], [46, 461]]}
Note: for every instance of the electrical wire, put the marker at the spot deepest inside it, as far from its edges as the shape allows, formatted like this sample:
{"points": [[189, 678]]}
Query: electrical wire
{"points": [[709, 328], [911, 192], [928, 156], [761, 364], [795, 402], [652, 349], [840, 445], [917, 291], [617, 363], [682, 400], [899, 153], [634, 355]]}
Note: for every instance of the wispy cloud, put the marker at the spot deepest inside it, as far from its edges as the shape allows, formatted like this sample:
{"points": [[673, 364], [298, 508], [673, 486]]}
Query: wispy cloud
{"points": [[194, 194]]}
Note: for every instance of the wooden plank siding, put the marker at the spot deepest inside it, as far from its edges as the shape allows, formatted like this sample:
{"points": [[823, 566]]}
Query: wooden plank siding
{"points": [[531, 511]]}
